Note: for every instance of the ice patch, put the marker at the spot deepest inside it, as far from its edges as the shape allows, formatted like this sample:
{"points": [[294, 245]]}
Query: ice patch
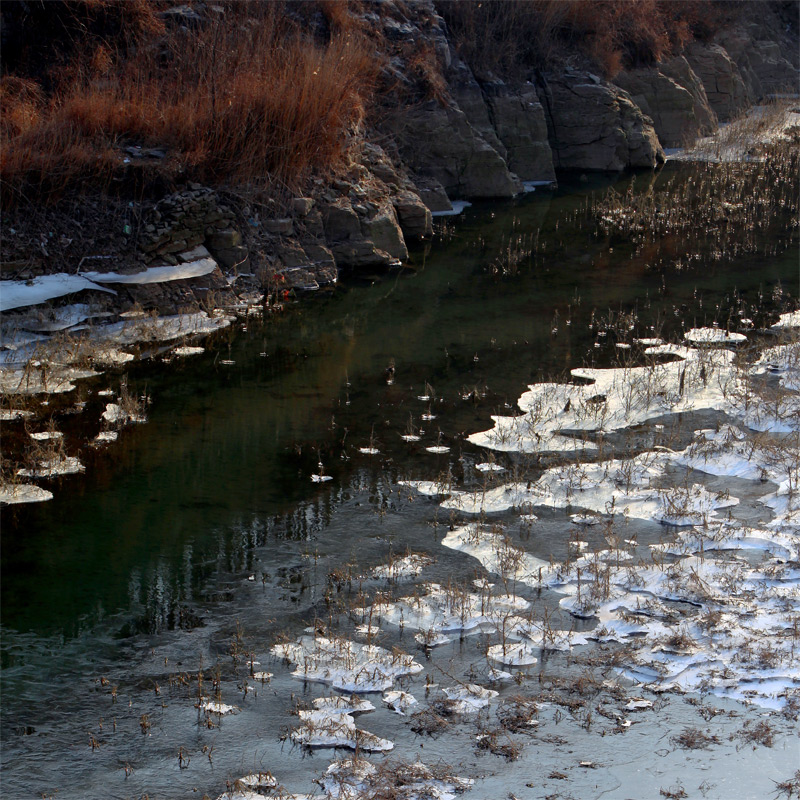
{"points": [[17, 294], [13, 493], [191, 269], [457, 207], [712, 336]]}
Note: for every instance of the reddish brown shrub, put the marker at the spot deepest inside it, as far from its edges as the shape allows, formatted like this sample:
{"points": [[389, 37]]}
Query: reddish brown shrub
{"points": [[246, 97]]}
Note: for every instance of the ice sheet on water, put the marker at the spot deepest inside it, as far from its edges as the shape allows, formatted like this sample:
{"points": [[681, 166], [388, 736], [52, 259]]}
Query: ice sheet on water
{"points": [[191, 269], [18, 294], [13, 493]]}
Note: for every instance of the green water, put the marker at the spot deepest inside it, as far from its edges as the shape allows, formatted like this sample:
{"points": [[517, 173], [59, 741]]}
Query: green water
{"points": [[181, 500]]}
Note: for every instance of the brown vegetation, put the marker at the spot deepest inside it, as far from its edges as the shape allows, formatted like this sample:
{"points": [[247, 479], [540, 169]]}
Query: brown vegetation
{"points": [[508, 34], [247, 95]]}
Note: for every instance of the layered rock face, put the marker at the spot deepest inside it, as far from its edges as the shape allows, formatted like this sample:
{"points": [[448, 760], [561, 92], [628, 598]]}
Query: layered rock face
{"points": [[483, 136], [470, 134], [594, 125], [678, 115]]}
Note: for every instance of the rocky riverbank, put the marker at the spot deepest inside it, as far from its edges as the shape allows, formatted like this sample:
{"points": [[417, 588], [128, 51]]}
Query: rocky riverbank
{"points": [[469, 134]]}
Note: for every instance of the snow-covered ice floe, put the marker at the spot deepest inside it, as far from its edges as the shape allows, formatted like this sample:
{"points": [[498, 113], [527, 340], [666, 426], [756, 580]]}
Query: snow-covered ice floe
{"points": [[711, 608], [13, 493], [51, 467], [357, 778], [404, 567], [787, 321], [347, 666], [713, 336]]}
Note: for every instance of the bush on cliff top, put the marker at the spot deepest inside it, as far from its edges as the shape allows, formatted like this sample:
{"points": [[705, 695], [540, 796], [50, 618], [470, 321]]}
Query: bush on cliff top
{"points": [[508, 35], [244, 94]]}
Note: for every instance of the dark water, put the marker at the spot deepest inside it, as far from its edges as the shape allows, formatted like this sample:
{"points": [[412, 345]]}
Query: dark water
{"points": [[147, 556]]}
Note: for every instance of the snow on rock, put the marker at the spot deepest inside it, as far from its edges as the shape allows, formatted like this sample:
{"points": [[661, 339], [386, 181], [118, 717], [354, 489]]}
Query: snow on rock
{"points": [[13, 493], [191, 269], [17, 294], [347, 666]]}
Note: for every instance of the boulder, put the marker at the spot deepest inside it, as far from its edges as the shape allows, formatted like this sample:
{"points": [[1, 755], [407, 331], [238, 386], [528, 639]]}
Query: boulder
{"points": [[665, 101], [220, 240], [726, 90], [438, 142], [761, 62], [519, 121], [340, 221], [370, 241], [680, 71], [413, 215], [470, 98], [302, 205], [432, 193], [279, 226], [593, 125], [230, 257], [383, 230]]}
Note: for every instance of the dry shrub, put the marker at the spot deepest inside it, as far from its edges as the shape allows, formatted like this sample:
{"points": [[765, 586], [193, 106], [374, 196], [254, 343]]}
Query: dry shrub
{"points": [[246, 96], [507, 35]]}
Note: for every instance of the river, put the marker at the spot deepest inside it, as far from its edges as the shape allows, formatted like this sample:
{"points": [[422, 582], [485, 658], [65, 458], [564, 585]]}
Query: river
{"points": [[202, 530]]}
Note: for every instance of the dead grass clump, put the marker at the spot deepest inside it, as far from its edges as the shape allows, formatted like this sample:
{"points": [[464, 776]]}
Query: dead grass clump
{"points": [[507, 35], [499, 743], [694, 739], [761, 733], [790, 787], [246, 96], [518, 714], [428, 722]]}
